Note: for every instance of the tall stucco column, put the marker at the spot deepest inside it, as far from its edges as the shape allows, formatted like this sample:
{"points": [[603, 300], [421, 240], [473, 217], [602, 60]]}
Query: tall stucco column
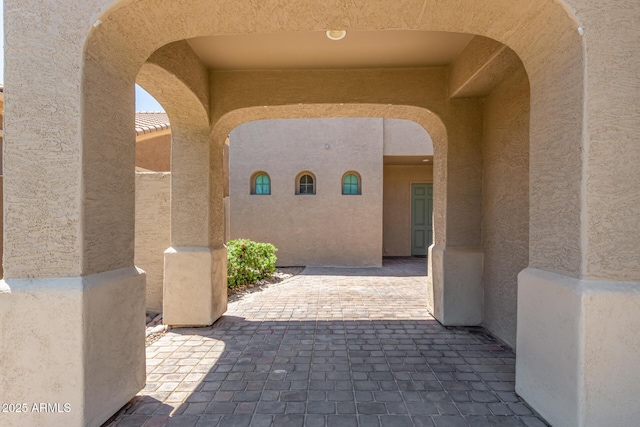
{"points": [[455, 293], [578, 344], [71, 303], [195, 270]]}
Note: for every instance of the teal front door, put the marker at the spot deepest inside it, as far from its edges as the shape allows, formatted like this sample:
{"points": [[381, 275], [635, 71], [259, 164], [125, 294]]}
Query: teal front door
{"points": [[421, 218]]}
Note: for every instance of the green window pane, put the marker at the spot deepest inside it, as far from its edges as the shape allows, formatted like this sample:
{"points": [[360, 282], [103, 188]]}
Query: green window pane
{"points": [[350, 184], [263, 184]]}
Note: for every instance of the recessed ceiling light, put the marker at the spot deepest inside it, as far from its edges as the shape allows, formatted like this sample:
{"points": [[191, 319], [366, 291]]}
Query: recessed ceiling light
{"points": [[425, 160], [336, 34]]}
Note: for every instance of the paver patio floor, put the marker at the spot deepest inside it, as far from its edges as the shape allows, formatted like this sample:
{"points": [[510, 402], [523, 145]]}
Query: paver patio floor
{"points": [[331, 347]]}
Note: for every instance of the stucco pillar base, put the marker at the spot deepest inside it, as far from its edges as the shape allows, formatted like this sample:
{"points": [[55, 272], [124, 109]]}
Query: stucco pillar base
{"points": [[455, 285], [195, 285], [75, 343], [578, 349]]}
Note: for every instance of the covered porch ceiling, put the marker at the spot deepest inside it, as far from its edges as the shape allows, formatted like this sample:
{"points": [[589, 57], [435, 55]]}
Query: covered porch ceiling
{"points": [[314, 50], [476, 64]]}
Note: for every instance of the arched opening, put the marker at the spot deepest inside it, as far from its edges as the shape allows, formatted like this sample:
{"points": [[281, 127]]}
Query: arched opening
{"points": [[315, 157], [305, 115]]}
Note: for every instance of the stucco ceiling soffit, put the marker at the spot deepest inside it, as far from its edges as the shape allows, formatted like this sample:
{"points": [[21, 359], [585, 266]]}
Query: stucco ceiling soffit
{"points": [[313, 50]]}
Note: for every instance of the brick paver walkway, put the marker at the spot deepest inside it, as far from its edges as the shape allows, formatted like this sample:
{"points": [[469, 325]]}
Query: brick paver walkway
{"points": [[331, 347]]}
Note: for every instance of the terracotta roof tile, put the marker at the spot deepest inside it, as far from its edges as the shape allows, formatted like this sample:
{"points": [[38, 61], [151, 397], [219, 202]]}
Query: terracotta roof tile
{"points": [[149, 121]]}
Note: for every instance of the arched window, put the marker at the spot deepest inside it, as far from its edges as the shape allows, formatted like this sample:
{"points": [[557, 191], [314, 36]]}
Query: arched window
{"points": [[351, 184], [261, 184], [306, 183]]}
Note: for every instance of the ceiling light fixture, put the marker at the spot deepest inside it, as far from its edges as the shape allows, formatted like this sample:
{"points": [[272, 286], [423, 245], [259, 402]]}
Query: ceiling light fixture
{"points": [[425, 160], [336, 34]]}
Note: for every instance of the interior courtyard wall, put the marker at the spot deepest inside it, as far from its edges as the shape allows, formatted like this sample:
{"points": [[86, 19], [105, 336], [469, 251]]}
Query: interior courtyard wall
{"points": [[325, 229], [152, 231], [153, 151], [396, 216], [505, 202]]}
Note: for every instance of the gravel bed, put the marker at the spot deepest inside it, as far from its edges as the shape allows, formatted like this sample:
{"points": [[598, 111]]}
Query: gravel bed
{"points": [[283, 273]]}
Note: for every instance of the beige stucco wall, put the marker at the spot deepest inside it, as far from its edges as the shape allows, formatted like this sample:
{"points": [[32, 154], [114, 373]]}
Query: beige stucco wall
{"points": [[505, 202], [323, 229], [152, 231], [397, 206], [153, 151]]}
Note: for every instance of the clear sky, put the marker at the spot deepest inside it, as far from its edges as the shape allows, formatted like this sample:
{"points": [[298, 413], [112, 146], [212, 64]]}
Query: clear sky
{"points": [[144, 101]]}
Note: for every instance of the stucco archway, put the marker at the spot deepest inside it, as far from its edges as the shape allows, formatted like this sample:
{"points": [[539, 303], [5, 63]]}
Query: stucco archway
{"points": [[179, 81], [431, 122], [86, 203]]}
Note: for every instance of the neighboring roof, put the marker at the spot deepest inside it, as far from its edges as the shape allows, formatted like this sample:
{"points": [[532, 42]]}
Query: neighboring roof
{"points": [[150, 121]]}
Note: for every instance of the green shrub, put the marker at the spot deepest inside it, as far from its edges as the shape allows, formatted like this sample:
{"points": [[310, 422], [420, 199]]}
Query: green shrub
{"points": [[248, 262]]}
